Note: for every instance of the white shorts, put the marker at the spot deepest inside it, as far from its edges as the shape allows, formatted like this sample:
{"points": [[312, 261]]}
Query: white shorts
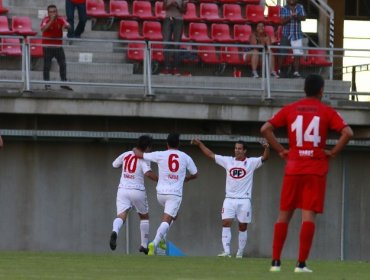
{"points": [[237, 208], [171, 203], [126, 198], [297, 44]]}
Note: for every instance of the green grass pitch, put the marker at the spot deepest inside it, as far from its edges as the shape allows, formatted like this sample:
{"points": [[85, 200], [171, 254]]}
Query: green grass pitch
{"points": [[31, 265]]}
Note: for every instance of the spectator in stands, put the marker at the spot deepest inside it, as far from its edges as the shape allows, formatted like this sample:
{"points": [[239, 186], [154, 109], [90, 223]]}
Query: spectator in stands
{"points": [[52, 27], [291, 16], [173, 25], [260, 37], [71, 6]]}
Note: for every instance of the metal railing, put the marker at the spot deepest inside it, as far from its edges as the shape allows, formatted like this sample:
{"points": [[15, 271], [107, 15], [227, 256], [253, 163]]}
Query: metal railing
{"points": [[117, 65]]}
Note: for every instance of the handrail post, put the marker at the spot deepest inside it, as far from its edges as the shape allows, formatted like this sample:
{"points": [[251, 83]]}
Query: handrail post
{"points": [[26, 57]]}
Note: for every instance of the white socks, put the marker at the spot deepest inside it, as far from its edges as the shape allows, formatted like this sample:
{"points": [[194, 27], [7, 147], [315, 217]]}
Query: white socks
{"points": [[243, 236], [144, 230], [161, 232], [226, 238], [117, 224]]}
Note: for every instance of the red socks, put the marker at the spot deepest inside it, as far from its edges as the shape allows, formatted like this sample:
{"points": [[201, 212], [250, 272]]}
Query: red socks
{"points": [[305, 240], [280, 233]]}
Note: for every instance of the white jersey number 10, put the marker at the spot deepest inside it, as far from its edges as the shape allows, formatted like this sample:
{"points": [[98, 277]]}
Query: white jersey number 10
{"points": [[311, 134]]}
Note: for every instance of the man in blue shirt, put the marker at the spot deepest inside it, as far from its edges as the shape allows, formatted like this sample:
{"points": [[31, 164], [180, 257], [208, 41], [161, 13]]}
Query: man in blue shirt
{"points": [[291, 16]]}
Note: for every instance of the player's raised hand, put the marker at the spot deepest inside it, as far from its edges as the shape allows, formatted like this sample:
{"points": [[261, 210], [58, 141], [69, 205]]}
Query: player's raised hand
{"points": [[195, 142], [264, 143]]}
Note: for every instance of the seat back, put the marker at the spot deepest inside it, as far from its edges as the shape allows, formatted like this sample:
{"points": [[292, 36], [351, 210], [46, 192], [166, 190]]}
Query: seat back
{"points": [[22, 25], [319, 58], [198, 32], [191, 12], [220, 32], [135, 51], [152, 30], [242, 33], [129, 30], [232, 12], [4, 26], [119, 8], [232, 55], [273, 14], [209, 12], [157, 52], [255, 13], [36, 48], [208, 55], [11, 47], [142, 9], [96, 8], [3, 10], [158, 10]]}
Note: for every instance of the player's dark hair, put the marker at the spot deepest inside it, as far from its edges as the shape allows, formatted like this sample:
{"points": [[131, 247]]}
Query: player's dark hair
{"points": [[144, 142], [242, 143], [173, 140], [52, 6], [313, 84]]}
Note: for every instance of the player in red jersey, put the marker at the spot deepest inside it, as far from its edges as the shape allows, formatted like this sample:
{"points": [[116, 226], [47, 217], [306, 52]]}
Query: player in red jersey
{"points": [[308, 122]]}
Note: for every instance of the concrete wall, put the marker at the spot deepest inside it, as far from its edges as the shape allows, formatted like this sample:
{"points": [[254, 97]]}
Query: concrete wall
{"points": [[60, 196]]}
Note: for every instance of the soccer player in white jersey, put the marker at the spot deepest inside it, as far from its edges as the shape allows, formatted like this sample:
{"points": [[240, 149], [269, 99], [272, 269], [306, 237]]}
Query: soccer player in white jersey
{"points": [[131, 191], [239, 183], [172, 173]]}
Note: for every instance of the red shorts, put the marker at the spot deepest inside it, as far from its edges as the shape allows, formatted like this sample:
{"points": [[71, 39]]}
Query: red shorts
{"points": [[305, 192]]}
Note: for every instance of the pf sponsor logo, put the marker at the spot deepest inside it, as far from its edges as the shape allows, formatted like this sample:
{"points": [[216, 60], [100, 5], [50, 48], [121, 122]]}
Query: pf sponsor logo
{"points": [[237, 173]]}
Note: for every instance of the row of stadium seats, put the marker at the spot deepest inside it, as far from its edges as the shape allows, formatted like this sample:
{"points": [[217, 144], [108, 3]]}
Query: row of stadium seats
{"points": [[231, 55], [197, 32], [13, 47], [20, 25], [209, 12]]}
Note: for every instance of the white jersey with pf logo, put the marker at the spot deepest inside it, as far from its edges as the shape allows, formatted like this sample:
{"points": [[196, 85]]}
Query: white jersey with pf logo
{"points": [[239, 175], [133, 170], [172, 166]]}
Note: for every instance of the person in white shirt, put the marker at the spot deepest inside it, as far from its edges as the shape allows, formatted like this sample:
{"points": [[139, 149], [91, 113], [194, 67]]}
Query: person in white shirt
{"points": [[172, 173], [131, 191], [239, 183]]}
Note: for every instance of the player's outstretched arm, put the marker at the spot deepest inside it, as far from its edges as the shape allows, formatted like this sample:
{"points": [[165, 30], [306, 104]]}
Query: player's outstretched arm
{"points": [[207, 152], [346, 135], [152, 176], [267, 131]]}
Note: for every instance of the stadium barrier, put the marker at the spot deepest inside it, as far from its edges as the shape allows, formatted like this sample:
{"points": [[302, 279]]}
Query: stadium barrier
{"points": [[119, 66]]}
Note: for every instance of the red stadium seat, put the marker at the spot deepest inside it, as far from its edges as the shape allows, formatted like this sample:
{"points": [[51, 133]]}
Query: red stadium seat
{"points": [[242, 33], [135, 52], [254, 13], [4, 26], [96, 9], [208, 55], [22, 25], [233, 13], [142, 10], [191, 13], [158, 10], [319, 58], [229, 1], [270, 31], [36, 48], [220, 32], [129, 30], [152, 31], [11, 46], [119, 9], [232, 56], [157, 52], [273, 15], [198, 32], [209, 12], [3, 10]]}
